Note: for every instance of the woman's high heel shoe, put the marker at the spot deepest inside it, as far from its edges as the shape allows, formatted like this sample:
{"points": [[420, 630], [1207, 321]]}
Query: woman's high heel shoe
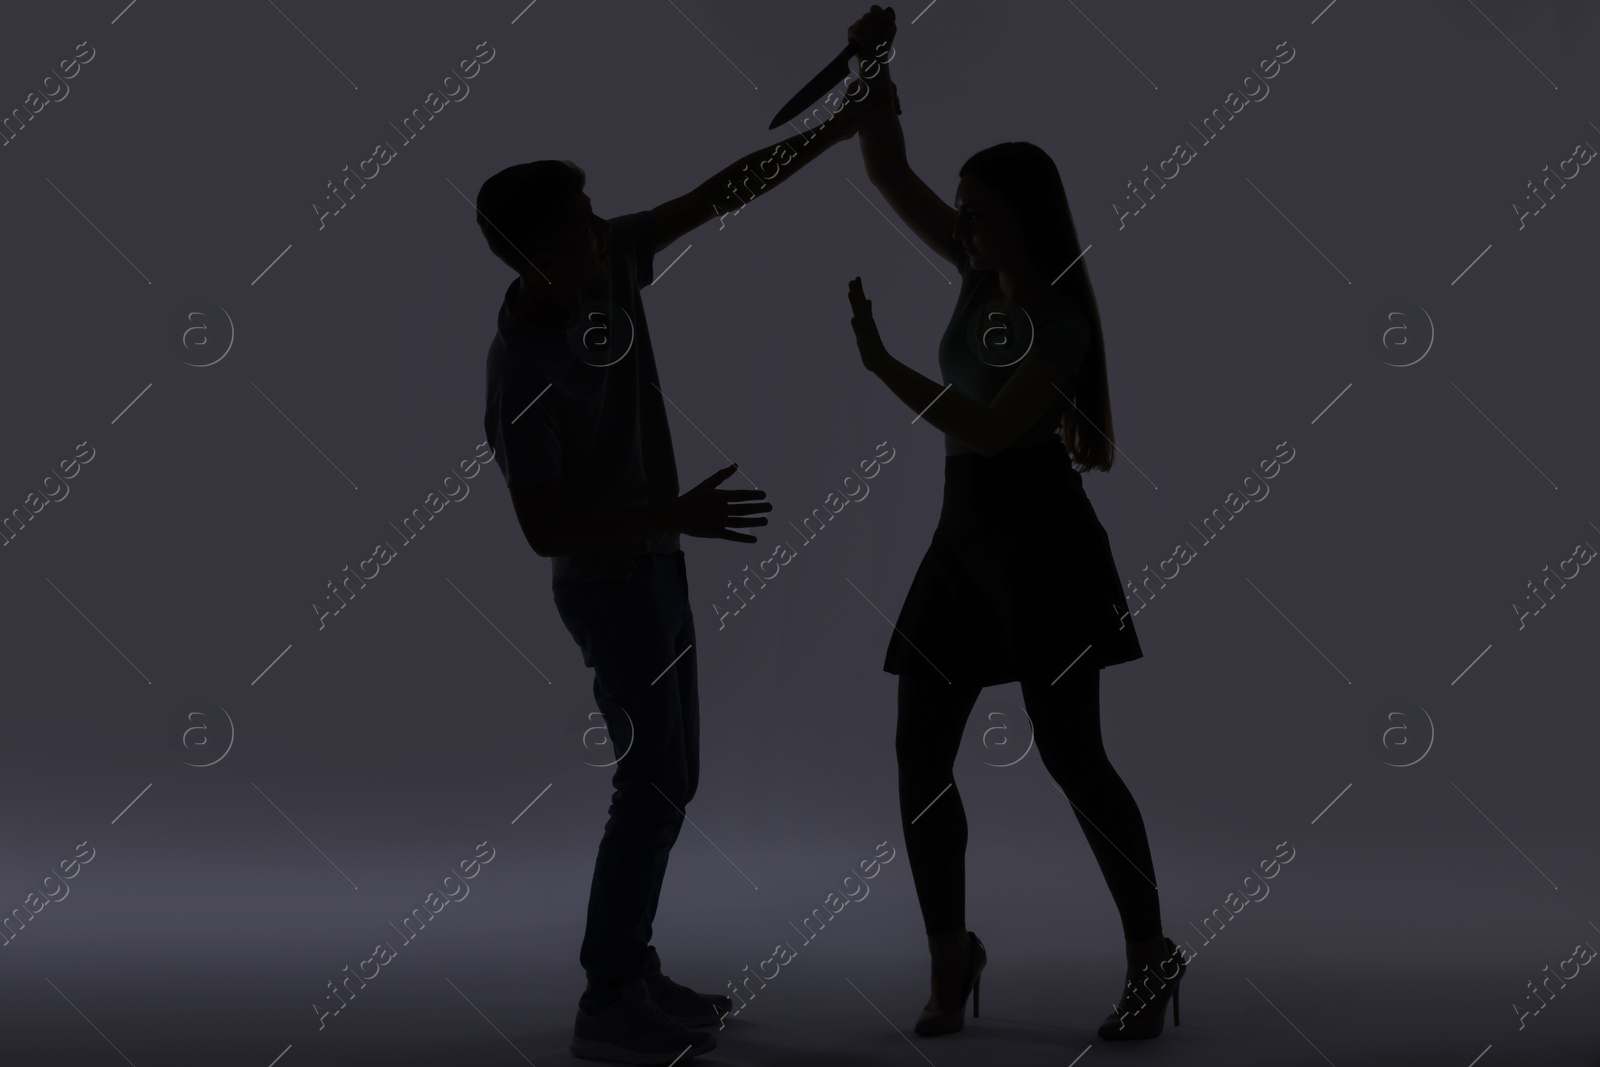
{"points": [[950, 1020], [1135, 1016]]}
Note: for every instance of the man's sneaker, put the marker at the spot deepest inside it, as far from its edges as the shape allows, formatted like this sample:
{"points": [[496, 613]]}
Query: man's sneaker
{"points": [[679, 1002], [633, 1030]]}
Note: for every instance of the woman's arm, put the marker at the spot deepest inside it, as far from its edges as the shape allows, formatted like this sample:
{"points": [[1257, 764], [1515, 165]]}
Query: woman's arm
{"points": [[883, 152], [985, 428]]}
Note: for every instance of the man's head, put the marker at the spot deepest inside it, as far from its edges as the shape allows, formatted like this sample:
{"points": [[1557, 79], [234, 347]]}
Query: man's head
{"points": [[539, 222]]}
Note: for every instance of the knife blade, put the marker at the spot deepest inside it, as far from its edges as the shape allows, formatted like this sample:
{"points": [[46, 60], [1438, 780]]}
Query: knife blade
{"points": [[836, 71]]}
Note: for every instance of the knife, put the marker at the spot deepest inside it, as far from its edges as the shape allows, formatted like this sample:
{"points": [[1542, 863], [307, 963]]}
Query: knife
{"points": [[836, 71]]}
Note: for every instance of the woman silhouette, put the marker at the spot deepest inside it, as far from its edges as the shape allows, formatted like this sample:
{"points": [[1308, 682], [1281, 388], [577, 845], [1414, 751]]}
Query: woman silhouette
{"points": [[1018, 583]]}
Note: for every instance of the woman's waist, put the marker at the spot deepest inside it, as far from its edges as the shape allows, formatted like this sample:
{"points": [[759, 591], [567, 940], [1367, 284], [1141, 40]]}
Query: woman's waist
{"points": [[1029, 470], [1051, 453], [1038, 509]]}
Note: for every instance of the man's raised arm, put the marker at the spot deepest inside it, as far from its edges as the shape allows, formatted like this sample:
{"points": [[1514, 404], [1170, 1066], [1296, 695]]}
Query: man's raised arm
{"points": [[743, 180]]}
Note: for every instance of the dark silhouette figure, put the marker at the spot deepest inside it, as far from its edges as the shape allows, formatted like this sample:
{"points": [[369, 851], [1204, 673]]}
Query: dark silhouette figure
{"points": [[1018, 583], [575, 412]]}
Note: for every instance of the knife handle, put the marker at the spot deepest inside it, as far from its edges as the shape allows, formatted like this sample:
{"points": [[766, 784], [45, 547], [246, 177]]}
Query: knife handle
{"points": [[850, 50]]}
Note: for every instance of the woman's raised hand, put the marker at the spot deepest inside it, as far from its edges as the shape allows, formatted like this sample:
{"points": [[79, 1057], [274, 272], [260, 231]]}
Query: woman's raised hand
{"points": [[866, 329], [872, 29]]}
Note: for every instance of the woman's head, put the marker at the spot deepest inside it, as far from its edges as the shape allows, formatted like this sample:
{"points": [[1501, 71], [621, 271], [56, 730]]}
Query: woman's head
{"points": [[1012, 215], [1013, 210], [989, 228]]}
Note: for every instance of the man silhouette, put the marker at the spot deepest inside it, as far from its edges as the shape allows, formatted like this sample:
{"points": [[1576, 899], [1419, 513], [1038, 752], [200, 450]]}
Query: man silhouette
{"points": [[575, 413]]}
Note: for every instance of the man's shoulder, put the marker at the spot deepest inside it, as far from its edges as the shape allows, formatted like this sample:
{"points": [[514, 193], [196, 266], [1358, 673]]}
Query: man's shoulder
{"points": [[633, 219], [635, 234]]}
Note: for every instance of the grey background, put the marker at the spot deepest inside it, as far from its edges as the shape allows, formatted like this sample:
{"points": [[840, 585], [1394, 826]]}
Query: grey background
{"points": [[370, 756]]}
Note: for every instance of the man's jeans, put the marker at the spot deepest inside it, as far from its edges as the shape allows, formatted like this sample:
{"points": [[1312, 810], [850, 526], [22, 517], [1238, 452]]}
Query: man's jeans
{"points": [[630, 630]]}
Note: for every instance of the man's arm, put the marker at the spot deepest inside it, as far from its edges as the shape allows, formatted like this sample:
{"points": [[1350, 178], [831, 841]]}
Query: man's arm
{"points": [[744, 179], [553, 529], [740, 182]]}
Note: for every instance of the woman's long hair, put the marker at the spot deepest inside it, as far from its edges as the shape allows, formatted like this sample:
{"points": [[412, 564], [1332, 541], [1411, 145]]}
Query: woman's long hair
{"points": [[1027, 177]]}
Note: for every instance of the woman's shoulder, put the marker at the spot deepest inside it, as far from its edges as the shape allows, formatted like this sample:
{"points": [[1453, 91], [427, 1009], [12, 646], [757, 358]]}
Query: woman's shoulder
{"points": [[1063, 331], [1061, 308]]}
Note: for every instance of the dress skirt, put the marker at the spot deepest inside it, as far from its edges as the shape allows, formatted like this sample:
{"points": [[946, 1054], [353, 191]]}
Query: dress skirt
{"points": [[1018, 580]]}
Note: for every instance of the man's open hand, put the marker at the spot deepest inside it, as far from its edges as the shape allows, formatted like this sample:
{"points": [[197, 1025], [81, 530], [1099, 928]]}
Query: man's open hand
{"points": [[706, 511]]}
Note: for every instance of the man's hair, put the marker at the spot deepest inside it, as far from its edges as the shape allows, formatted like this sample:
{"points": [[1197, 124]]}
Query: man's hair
{"points": [[520, 206]]}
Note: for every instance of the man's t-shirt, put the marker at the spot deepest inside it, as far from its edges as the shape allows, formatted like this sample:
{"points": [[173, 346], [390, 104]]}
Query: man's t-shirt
{"points": [[584, 404], [979, 351]]}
